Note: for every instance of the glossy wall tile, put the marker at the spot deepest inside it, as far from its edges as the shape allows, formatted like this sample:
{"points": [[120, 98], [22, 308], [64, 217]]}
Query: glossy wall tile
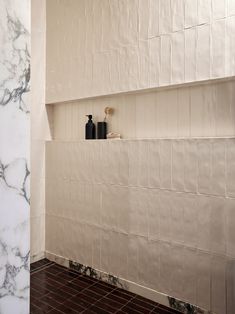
{"points": [[139, 226]]}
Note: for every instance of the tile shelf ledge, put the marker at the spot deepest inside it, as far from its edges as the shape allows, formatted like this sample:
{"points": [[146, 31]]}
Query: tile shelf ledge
{"points": [[143, 139], [144, 90]]}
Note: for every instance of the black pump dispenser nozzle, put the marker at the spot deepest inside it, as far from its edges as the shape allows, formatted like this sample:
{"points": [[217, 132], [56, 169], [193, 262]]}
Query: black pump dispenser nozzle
{"points": [[89, 117]]}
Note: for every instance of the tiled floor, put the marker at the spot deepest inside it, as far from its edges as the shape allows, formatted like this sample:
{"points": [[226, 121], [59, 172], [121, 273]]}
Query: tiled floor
{"points": [[56, 290]]}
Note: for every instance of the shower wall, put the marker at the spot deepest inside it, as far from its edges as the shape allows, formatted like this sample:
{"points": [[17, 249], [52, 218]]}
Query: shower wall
{"points": [[101, 47], [14, 156], [155, 212]]}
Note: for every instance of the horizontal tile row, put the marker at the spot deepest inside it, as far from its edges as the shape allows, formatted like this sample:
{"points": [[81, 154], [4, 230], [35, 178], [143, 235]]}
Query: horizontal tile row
{"points": [[185, 273], [196, 221], [204, 166]]}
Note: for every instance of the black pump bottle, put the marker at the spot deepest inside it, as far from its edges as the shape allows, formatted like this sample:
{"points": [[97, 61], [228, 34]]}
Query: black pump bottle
{"points": [[90, 128]]}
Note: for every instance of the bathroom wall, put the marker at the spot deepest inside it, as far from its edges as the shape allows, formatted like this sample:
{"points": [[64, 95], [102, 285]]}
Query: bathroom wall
{"points": [[158, 212], [14, 156], [155, 209], [102, 47], [39, 128]]}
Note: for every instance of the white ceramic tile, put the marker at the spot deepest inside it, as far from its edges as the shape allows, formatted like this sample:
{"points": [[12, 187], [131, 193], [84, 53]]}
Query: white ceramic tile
{"points": [[219, 9], [218, 36], [230, 164], [165, 19], [132, 266], [209, 119], [144, 63], [230, 233], [155, 59], [183, 112], [165, 65], [154, 164], [153, 263], [138, 198], [177, 7], [145, 115], [176, 221], [154, 18], [133, 153], [165, 216], [190, 54], [218, 179], [204, 11], [204, 166], [203, 61], [230, 46], [109, 216], [178, 165], [191, 166], [144, 15], [203, 223], [190, 218], [196, 111], [191, 13], [165, 268], [203, 280], [218, 227], [190, 275], [178, 57], [143, 163], [218, 284], [177, 262], [231, 7], [165, 163], [153, 214]]}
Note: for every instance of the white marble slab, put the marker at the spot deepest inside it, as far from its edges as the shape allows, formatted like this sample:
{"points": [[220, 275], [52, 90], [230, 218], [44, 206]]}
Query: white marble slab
{"points": [[14, 156]]}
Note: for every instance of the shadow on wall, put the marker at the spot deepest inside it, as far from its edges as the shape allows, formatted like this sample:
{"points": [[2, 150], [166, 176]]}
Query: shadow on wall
{"points": [[231, 286]]}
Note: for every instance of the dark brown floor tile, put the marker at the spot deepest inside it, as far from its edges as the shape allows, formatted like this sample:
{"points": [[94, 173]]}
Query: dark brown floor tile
{"points": [[54, 311], [70, 291], [57, 290], [166, 309], [122, 295], [84, 300], [112, 303], [40, 305], [143, 304], [117, 298], [74, 306], [96, 310], [107, 288], [138, 297], [135, 307], [66, 310], [49, 299]]}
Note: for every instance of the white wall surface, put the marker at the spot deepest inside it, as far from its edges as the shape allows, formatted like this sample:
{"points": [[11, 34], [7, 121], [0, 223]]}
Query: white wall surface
{"points": [[39, 129], [98, 47], [159, 213]]}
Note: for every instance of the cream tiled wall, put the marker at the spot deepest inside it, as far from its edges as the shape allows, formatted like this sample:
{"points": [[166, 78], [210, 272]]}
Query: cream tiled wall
{"points": [[39, 128], [157, 212], [99, 47], [205, 110]]}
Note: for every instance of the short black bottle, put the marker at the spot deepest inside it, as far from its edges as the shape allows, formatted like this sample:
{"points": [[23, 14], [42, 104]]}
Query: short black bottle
{"points": [[90, 128]]}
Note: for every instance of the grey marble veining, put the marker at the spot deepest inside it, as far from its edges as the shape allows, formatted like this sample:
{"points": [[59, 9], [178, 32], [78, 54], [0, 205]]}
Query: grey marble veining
{"points": [[14, 156]]}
